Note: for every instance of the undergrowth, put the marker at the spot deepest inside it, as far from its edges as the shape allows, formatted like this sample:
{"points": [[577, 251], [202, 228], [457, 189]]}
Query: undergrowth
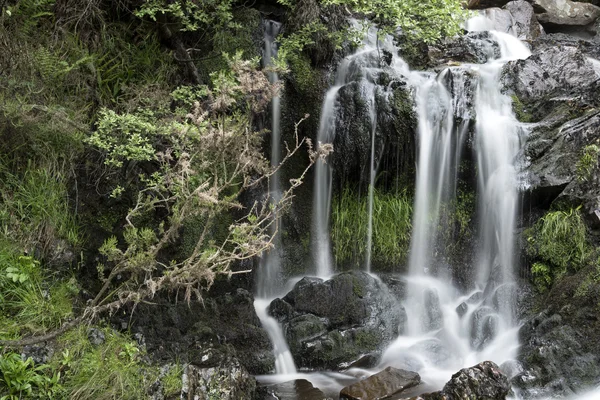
{"points": [[557, 243]]}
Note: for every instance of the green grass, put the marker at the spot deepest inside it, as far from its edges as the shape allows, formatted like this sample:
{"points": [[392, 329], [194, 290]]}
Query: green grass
{"points": [[392, 215], [34, 208], [32, 300], [110, 371]]}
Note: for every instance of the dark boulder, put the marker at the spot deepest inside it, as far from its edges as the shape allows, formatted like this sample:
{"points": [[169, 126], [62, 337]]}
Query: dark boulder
{"points": [[473, 47], [484, 381], [549, 71], [332, 324], [381, 385]]}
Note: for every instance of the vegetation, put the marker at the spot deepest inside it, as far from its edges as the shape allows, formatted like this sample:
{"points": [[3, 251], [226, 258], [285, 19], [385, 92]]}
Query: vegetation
{"points": [[558, 244], [588, 162], [392, 215], [122, 125]]}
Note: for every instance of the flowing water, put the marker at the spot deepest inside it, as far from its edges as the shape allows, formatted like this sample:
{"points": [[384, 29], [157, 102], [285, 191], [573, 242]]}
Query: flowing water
{"points": [[447, 329], [270, 281]]}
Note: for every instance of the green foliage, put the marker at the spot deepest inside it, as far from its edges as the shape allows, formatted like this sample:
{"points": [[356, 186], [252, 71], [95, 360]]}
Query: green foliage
{"points": [[392, 215], [192, 16], [291, 46], [110, 371], [22, 379], [413, 17], [588, 162], [543, 276], [172, 380], [35, 209], [127, 137], [558, 240]]}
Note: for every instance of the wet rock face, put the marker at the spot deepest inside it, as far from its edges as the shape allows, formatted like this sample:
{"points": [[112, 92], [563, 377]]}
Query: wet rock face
{"points": [[226, 321], [557, 88], [555, 359], [473, 47], [382, 385], [331, 324], [392, 105], [551, 70], [525, 24], [484, 381]]}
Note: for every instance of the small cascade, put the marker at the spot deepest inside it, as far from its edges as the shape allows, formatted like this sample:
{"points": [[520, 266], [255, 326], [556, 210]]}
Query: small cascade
{"points": [[372, 173], [270, 282], [269, 272], [362, 69]]}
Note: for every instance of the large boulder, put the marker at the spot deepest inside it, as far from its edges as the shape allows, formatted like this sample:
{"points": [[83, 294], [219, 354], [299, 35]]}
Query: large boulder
{"points": [[552, 13], [331, 324], [484, 381], [381, 385]]}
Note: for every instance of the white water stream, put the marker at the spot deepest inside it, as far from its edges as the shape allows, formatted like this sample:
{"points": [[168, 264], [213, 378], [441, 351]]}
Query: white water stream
{"points": [[269, 280]]}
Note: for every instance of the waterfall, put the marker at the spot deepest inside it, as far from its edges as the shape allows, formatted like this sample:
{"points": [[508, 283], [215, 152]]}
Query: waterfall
{"points": [[446, 329], [269, 283]]}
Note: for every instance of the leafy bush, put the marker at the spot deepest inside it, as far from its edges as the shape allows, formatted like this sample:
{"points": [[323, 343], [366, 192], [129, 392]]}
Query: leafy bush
{"points": [[22, 379]]}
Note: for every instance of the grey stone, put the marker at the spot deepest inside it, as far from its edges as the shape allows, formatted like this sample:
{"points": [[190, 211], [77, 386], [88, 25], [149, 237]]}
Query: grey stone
{"points": [[381, 385]]}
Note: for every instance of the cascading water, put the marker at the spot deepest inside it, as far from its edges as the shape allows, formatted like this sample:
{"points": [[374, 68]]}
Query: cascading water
{"points": [[446, 330], [269, 282]]}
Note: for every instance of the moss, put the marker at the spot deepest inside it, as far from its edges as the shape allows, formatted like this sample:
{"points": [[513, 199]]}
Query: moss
{"points": [[520, 112], [193, 228], [303, 75], [367, 340], [357, 287]]}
